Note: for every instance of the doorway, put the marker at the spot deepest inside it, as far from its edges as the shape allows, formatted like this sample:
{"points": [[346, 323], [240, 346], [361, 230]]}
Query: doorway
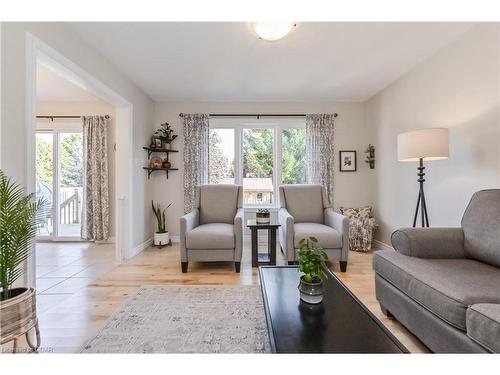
{"points": [[59, 179]]}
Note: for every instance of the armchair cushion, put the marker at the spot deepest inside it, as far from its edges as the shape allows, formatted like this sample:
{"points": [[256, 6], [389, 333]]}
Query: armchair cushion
{"points": [[481, 227], [483, 325], [211, 236], [328, 237], [303, 202], [429, 242], [218, 203]]}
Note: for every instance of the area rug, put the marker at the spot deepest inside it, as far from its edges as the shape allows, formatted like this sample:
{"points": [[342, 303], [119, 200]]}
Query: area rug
{"points": [[186, 319]]}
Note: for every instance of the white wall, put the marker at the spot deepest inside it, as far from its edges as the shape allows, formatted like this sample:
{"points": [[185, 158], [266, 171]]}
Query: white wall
{"points": [[351, 189], [457, 88], [73, 108], [13, 77]]}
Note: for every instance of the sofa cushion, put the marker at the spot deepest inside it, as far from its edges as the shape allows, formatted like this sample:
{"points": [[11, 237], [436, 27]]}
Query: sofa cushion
{"points": [[218, 203], [328, 238], [446, 287], [481, 225], [304, 202], [211, 236], [483, 325]]}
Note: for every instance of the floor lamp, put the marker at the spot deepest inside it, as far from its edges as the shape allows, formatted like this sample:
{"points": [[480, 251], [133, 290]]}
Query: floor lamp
{"points": [[423, 145]]}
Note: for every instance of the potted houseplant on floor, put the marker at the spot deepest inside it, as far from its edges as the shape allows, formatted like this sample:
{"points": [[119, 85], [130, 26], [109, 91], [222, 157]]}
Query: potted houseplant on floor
{"points": [[20, 217], [166, 134], [312, 263], [263, 216], [161, 237]]}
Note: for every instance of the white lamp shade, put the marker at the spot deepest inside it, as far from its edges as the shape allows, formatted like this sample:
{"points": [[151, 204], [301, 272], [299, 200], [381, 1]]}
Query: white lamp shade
{"points": [[427, 144]]}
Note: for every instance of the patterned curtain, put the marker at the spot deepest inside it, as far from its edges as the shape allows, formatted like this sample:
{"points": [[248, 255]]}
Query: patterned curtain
{"points": [[196, 131], [95, 217], [319, 151]]}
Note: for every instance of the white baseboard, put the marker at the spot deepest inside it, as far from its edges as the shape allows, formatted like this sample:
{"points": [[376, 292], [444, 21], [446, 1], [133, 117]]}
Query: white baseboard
{"points": [[175, 239], [136, 250], [383, 245]]}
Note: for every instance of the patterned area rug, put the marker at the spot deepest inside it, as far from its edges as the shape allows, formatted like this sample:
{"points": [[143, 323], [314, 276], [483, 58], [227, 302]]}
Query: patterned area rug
{"points": [[186, 319]]}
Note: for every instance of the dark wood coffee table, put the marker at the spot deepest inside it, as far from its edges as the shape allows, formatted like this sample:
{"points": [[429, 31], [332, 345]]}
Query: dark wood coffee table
{"points": [[340, 324]]}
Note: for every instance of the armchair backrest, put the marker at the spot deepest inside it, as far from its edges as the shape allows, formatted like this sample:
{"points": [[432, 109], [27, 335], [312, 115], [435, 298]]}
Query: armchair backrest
{"points": [[481, 225], [219, 203], [306, 203]]}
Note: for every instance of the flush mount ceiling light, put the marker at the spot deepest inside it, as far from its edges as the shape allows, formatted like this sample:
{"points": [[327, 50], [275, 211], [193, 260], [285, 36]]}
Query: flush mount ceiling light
{"points": [[272, 30]]}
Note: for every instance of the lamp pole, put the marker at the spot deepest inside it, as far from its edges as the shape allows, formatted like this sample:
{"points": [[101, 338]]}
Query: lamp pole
{"points": [[421, 197]]}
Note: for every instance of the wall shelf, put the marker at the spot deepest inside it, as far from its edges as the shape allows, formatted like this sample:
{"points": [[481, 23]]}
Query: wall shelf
{"points": [[151, 170], [150, 151]]}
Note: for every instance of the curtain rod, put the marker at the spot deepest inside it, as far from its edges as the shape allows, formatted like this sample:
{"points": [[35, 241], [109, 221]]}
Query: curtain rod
{"points": [[258, 115], [60, 117]]}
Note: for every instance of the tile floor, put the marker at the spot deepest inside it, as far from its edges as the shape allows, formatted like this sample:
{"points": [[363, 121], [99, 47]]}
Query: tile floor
{"points": [[65, 268]]}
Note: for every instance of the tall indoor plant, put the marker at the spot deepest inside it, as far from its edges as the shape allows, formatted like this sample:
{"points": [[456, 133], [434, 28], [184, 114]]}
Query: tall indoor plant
{"points": [[20, 216], [161, 236], [312, 263]]}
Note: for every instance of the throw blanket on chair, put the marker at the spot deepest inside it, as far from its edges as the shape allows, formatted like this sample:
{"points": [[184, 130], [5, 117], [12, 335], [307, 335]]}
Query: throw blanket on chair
{"points": [[361, 225]]}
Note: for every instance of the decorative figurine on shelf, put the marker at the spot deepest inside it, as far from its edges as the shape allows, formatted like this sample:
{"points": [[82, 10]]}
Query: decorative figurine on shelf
{"points": [[370, 157], [155, 162], [166, 134], [166, 164]]}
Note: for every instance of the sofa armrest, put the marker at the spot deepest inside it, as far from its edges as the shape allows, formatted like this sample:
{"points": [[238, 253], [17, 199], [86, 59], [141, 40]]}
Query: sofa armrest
{"points": [[187, 222], [238, 234], [287, 233], [429, 242], [341, 223]]}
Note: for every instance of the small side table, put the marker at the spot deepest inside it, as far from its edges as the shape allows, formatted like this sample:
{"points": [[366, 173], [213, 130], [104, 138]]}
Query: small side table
{"points": [[268, 259]]}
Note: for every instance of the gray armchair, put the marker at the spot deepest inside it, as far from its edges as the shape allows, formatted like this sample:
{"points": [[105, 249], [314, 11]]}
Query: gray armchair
{"points": [[213, 231], [305, 211]]}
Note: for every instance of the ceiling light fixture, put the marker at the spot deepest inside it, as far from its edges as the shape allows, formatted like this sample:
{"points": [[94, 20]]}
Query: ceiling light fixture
{"points": [[272, 30]]}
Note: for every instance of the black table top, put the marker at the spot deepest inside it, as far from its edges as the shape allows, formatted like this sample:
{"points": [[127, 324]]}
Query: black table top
{"points": [[253, 223], [340, 324]]}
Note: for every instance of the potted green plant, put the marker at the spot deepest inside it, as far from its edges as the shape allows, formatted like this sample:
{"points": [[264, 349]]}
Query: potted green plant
{"points": [[166, 134], [312, 263], [20, 217], [263, 216], [161, 236]]}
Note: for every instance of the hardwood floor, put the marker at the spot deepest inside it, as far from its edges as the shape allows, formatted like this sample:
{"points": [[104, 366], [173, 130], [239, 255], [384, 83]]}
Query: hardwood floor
{"points": [[68, 322]]}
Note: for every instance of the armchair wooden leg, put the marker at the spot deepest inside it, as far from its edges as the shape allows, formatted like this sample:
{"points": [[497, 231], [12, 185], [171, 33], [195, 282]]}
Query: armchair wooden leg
{"points": [[184, 266], [237, 266], [343, 266]]}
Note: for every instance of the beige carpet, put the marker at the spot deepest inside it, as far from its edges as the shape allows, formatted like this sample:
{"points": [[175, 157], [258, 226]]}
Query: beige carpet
{"points": [[186, 319]]}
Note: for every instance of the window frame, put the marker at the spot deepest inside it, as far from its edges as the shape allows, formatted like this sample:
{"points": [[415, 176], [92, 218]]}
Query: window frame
{"points": [[278, 125]]}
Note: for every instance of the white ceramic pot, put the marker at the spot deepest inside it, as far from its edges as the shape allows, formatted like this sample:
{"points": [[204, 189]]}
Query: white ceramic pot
{"points": [[161, 239]]}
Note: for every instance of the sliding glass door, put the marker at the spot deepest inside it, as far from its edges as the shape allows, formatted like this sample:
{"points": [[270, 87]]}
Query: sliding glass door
{"points": [[59, 174]]}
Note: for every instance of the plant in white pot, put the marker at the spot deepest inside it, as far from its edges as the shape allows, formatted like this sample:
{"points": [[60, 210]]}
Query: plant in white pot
{"points": [[20, 217], [161, 236], [312, 262]]}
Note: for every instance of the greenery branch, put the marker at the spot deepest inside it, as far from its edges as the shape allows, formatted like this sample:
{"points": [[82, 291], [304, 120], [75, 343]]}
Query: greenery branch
{"points": [[166, 133]]}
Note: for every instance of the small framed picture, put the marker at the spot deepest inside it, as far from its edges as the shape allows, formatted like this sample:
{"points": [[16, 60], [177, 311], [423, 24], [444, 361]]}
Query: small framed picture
{"points": [[155, 142], [347, 161]]}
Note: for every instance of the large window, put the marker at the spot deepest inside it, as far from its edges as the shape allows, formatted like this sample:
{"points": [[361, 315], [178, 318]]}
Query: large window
{"points": [[260, 156], [221, 156], [258, 165]]}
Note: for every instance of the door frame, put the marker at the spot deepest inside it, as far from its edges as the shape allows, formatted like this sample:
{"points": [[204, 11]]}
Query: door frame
{"points": [[38, 52]]}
